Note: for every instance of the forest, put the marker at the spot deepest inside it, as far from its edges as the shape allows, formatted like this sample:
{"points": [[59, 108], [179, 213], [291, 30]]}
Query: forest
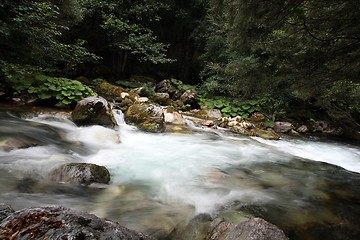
{"points": [[301, 58]]}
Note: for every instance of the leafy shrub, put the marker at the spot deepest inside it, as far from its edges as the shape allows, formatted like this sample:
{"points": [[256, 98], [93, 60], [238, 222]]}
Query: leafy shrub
{"points": [[18, 77], [179, 85], [62, 90], [344, 94], [265, 104], [148, 90], [229, 108]]}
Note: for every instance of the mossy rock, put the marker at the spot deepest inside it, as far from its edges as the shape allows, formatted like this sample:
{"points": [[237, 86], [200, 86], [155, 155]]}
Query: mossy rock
{"points": [[147, 117], [265, 134], [256, 132], [93, 111], [108, 89]]}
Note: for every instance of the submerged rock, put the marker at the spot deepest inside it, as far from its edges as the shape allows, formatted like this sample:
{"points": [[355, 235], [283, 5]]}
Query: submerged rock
{"points": [[81, 173], [147, 117], [5, 210], [202, 227], [253, 229], [93, 111], [57, 222], [12, 143]]}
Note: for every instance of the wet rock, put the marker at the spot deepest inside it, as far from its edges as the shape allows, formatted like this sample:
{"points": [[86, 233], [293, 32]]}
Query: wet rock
{"points": [[93, 111], [255, 132], [302, 129], [12, 143], [253, 229], [212, 114], [173, 117], [80, 173], [162, 98], [57, 222], [124, 104], [241, 126], [196, 229], [189, 97], [208, 123], [258, 119], [143, 99], [265, 134], [283, 127], [147, 117], [5, 210], [202, 227], [165, 86]]}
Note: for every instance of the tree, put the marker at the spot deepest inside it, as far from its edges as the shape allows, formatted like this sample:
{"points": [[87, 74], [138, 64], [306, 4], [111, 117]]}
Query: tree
{"points": [[298, 49], [31, 33], [123, 30]]}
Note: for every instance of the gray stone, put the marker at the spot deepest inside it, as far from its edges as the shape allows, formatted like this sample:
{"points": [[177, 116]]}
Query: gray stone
{"points": [[189, 97], [253, 229], [80, 173], [283, 127], [302, 129]]}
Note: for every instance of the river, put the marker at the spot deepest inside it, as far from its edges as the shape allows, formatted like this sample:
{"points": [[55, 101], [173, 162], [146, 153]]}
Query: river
{"points": [[309, 187]]}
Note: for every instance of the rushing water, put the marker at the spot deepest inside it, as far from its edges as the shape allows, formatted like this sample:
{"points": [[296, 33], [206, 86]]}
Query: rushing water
{"points": [[308, 187]]}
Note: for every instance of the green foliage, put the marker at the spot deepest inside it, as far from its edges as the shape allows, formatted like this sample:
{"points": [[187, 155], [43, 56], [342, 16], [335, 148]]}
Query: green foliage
{"points": [[62, 90], [269, 124], [148, 90], [31, 33], [265, 104], [344, 94], [291, 49], [179, 85], [125, 30], [17, 76], [230, 108], [128, 84]]}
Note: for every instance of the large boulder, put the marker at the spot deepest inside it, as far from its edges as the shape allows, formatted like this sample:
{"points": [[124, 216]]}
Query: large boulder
{"points": [[147, 117], [93, 111], [80, 173], [55, 222]]}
